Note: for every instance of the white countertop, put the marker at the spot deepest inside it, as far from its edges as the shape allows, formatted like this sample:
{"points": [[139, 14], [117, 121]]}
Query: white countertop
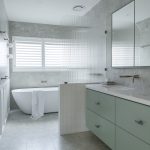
{"points": [[122, 92]]}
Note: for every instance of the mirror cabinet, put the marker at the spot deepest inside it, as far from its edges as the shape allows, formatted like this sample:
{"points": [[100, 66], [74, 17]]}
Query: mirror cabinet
{"points": [[131, 35]]}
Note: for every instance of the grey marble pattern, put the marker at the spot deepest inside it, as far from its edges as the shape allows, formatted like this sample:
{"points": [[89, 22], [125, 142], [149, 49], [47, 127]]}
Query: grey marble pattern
{"points": [[23, 133], [41, 30]]}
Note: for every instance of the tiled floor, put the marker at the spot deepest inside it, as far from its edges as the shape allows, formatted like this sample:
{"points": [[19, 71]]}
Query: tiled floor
{"points": [[23, 133]]}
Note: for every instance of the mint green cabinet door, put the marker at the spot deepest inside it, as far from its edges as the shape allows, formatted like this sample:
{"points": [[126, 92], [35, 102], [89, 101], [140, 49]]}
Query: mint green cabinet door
{"points": [[102, 104], [101, 128], [134, 117], [125, 141]]}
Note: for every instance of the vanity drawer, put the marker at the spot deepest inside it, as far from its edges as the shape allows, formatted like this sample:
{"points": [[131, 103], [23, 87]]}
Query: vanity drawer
{"points": [[102, 104], [125, 141], [101, 128], [134, 118]]}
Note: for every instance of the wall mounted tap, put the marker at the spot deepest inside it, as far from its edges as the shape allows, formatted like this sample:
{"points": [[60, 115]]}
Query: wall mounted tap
{"points": [[136, 76], [4, 78], [43, 81]]}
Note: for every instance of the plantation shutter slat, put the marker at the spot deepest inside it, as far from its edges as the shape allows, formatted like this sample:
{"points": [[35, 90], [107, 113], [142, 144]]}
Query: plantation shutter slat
{"points": [[40, 53], [66, 54], [28, 52]]}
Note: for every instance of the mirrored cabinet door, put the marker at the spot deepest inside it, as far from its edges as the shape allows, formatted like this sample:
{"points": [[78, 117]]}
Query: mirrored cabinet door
{"points": [[142, 32], [123, 37]]}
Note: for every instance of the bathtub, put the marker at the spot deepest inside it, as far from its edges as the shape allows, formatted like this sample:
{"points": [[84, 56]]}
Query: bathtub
{"points": [[23, 98]]}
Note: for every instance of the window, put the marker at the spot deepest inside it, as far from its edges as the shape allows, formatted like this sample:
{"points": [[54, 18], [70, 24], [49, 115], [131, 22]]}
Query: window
{"points": [[56, 54], [48, 54], [66, 54], [27, 53]]}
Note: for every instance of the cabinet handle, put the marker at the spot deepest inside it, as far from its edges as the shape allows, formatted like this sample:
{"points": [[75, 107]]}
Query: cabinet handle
{"points": [[98, 103], [140, 122], [97, 126]]}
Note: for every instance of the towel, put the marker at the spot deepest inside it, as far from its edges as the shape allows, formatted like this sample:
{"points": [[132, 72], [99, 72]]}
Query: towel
{"points": [[37, 106], [41, 104]]}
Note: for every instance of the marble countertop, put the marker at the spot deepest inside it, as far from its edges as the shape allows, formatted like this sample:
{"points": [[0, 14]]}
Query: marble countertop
{"points": [[122, 92]]}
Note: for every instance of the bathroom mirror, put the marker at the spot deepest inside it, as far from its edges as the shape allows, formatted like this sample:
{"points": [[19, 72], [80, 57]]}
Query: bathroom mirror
{"points": [[123, 36], [142, 33]]}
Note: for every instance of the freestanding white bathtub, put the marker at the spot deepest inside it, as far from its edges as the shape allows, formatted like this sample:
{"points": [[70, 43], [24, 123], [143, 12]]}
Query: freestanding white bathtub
{"points": [[50, 96]]}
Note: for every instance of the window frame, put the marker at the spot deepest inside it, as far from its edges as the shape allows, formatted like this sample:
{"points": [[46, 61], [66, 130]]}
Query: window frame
{"points": [[43, 68], [24, 69]]}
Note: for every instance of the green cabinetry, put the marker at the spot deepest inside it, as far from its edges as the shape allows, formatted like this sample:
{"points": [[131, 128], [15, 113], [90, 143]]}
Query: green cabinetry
{"points": [[119, 123], [101, 128], [125, 141], [102, 104], [133, 117]]}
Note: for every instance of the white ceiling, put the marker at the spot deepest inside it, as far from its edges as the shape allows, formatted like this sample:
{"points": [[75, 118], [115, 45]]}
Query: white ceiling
{"points": [[46, 11]]}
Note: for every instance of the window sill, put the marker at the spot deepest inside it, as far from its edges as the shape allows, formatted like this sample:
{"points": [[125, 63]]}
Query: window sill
{"points": [[49, 70]]}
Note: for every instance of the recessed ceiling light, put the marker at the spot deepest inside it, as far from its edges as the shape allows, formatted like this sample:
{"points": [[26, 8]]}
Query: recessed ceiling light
{"points": [[78, 8]]}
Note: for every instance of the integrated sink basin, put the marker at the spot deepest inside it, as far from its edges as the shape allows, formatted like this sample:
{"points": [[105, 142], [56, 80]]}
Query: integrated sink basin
{"points": [[129, 93], [125, 90]]}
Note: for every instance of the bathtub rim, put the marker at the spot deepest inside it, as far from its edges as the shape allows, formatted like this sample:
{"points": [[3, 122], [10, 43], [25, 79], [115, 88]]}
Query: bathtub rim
{"points": [[35, 89]]}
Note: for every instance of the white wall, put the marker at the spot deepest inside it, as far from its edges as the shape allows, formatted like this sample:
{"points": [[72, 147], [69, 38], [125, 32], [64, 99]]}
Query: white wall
{"points": [[72, 108], [4, 69]]}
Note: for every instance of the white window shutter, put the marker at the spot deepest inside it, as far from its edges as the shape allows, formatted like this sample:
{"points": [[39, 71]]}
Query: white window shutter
{"points": [[28, 53]]}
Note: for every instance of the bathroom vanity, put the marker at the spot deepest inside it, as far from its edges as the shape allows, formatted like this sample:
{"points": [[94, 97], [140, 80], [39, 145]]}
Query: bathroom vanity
{"points": [[118, 116]]}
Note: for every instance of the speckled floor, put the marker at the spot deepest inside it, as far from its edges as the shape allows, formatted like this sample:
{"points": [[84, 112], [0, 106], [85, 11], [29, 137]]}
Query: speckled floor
{"points": [[23, 133]]}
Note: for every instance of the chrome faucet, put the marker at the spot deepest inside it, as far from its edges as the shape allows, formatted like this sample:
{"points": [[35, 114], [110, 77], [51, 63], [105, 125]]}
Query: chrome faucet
{"points": [[136, 76], [43, 81], [4, 78]]}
